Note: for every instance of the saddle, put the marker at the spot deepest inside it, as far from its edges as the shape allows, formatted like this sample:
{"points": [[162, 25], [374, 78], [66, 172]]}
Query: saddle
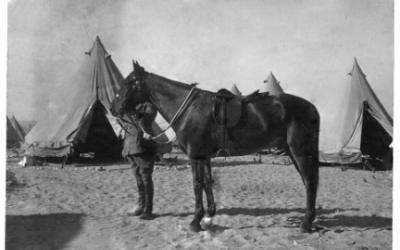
{"points": [[229, 111], [229, 108]]}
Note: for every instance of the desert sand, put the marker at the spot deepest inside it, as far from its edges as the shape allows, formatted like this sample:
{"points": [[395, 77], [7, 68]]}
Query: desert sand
{"points": [[259, 206]]}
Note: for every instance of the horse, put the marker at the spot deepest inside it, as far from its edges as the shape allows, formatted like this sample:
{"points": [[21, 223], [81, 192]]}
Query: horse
{"points": [[265, 118]]}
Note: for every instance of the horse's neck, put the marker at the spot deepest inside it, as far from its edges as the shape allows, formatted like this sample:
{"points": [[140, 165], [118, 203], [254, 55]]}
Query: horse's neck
{"points": [[167, 95]]}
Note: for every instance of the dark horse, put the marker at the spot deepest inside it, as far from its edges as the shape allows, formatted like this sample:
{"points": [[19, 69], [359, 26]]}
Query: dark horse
{"points": [[191, 113]]}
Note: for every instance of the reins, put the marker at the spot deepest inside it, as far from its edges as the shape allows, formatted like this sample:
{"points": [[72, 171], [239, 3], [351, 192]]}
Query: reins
{"points": [[119, 119], [178, 113], [137, 125]]}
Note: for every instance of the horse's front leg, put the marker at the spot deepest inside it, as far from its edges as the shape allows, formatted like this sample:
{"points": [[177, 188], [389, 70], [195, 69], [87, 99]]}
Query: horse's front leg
{"points": [[208, 183], [198, 179]]}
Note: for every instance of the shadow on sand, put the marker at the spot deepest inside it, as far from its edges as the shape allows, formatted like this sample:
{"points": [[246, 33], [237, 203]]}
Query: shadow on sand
{"points": [[366, 222], [220, 163], [260, 211], [376, 222], [175, 214], [50, 231], [370, 222], [268, 211], [234, 163]]}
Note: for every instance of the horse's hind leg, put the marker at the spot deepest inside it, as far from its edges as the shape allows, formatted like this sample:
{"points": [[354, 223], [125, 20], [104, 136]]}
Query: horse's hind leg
{"points": [[310, 179], [304, 152], [198, 178], [208, 182]]}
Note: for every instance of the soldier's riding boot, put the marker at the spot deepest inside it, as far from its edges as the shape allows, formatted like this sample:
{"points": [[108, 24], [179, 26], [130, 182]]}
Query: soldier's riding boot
{"points": [[141, 192], [148, 201], [140, 204]]}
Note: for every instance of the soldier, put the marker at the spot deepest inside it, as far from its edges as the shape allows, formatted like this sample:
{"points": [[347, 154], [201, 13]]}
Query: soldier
{"points": [[141, 153]]}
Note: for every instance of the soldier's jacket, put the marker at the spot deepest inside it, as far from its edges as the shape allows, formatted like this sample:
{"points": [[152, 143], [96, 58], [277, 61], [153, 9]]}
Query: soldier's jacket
{"points": [[134, 143]]}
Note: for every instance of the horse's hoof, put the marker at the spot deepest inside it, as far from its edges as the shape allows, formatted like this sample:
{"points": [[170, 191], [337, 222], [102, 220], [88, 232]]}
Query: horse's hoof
{"points": [[212, 210], [195, 227], [305, 227]]}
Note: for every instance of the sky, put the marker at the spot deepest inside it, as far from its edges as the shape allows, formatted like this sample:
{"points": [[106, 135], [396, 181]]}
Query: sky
{"points": [[308, 45]]}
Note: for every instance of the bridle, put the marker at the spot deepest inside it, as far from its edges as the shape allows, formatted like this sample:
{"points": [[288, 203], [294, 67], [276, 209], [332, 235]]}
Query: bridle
{"points": [[184, 105]]}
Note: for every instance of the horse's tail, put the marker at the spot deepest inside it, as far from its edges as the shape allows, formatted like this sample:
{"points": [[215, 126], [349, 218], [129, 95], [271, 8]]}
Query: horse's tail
{"points": [[303, 141], [314, 126]]}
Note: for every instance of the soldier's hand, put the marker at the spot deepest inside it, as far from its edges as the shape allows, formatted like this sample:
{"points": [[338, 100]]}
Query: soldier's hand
{"points": [[146, 136]]}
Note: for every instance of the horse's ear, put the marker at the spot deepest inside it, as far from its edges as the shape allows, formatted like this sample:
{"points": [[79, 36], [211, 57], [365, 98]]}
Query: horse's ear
{"points": [[138, 70], [135, 68], [136, 65]]}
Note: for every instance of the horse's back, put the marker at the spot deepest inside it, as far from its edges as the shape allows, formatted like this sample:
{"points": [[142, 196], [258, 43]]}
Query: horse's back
{"points": [[298, 107], [269, 118]]}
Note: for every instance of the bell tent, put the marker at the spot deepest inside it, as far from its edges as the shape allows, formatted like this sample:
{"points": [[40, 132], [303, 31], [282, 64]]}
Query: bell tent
{"points": [[17, 126], [272, 85], [366, 127], [235, 90], [15, 134], [87, 125]]}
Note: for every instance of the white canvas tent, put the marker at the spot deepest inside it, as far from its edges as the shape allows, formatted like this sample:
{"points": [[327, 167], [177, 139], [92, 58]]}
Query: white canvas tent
{"points": [[365, 126], [15, 133], [235, 90], [86, 125], [272, 85]]}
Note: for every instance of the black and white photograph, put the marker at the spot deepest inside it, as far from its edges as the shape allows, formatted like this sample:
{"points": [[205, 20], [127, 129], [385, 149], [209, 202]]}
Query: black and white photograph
{"points": [[199, 124]]}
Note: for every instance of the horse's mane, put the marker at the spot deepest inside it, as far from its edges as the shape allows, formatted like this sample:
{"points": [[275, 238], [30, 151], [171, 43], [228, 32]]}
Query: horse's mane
{"points": [[186, 85], [179, 84]]}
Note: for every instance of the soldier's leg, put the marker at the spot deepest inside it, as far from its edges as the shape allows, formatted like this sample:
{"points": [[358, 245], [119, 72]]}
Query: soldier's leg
{"points": [[140, 186], [146, 171]]}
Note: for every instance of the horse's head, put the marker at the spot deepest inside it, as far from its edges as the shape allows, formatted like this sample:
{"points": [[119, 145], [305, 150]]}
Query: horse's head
{"points": [[133, 92]]}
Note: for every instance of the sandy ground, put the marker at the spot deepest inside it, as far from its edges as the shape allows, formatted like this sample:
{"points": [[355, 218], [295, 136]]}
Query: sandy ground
{"points": [[259, 207]]}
